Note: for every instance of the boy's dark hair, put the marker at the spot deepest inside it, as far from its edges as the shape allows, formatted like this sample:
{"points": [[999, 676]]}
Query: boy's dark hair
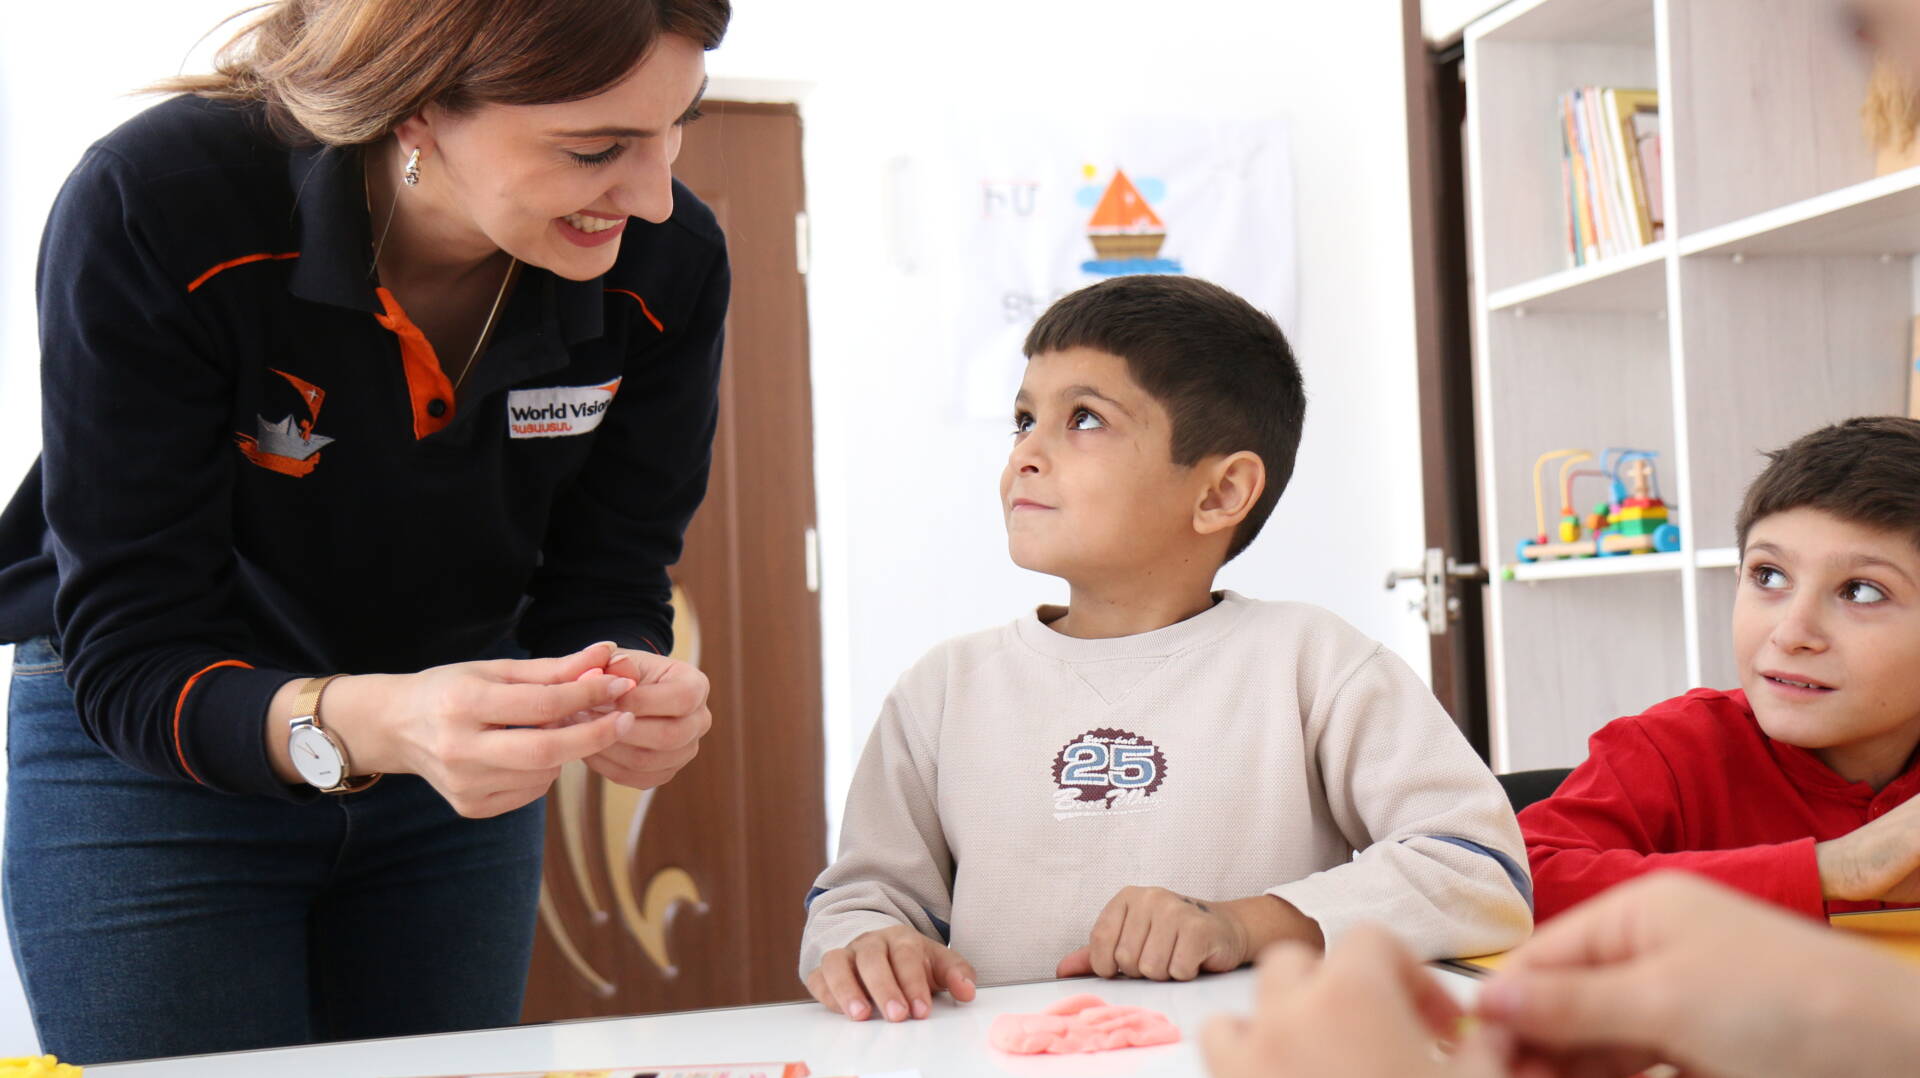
{"points": [[1219, 366], [1865, 471]]}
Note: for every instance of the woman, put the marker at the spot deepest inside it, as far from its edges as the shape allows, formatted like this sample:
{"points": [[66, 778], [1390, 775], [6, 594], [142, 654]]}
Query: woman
{"points": [[393, 346]]}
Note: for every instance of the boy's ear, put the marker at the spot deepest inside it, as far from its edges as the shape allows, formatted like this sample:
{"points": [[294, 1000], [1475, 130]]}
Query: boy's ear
{"points": [[1234, 484]]}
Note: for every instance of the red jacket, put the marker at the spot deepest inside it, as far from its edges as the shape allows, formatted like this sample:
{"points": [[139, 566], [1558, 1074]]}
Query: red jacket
{"points": [[1695, 784]]}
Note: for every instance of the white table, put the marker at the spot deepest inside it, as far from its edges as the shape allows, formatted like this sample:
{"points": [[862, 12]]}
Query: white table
{"points": [[950, 1043]]}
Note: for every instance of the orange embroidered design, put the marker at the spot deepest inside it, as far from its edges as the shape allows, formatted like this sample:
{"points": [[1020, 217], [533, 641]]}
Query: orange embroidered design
{"points": [[289, 447], [644, 309]]}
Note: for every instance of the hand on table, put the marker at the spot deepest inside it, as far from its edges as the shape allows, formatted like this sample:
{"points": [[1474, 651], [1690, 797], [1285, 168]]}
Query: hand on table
{"points": [[1368, 1010], [1696, 974], [892, 972], [1163, 935]]}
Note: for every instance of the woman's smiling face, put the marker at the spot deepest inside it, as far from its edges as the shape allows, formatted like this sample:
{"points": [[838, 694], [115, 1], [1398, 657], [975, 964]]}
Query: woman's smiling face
{"points": [[553, 185]]}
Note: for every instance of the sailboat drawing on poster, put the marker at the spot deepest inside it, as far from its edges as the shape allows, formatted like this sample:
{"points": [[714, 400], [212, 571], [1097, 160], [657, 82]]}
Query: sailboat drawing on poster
{"points": [[1125, 232]]}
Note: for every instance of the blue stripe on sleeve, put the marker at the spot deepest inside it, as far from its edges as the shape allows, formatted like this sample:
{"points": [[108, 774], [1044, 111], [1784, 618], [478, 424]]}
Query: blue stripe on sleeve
{"points": [[942, 927], [1521, 881]]}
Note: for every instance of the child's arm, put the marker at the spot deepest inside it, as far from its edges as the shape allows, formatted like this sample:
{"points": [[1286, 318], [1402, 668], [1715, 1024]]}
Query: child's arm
{"points": [[1440, 860], [1618, 816], [876, 918], [1876, 862]]}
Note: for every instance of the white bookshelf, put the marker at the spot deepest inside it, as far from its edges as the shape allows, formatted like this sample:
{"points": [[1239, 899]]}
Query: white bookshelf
{"points": [[1779, 299]]}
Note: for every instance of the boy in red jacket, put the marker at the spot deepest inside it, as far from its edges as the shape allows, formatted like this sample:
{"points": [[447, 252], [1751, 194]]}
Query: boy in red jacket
{"points": [[1798, 788]]}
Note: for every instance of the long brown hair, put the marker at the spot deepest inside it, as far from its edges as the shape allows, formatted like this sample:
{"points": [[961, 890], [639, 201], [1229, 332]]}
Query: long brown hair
{"points": [[347, 72]]}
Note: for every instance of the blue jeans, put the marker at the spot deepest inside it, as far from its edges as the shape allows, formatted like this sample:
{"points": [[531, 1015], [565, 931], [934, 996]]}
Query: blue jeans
{"points": [[151, 917]]}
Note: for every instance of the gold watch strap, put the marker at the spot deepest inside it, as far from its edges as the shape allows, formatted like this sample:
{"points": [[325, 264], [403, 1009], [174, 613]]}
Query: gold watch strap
{"points": [[307, 703]]}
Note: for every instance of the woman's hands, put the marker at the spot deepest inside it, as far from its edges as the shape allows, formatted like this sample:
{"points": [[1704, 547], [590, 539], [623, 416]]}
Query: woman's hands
{"points": [[669, 704], [492, 736]]}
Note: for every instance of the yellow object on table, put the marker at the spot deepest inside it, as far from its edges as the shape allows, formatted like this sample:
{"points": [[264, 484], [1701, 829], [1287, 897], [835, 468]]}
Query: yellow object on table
{"points": [[37, 1067]]}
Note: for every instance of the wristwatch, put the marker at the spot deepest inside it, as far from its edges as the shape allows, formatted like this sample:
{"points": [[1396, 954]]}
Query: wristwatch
{"points": [[318, 755]]}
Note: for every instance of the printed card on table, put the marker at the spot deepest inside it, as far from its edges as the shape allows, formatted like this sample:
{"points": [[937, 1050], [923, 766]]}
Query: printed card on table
{"points": [[704, 1070]]}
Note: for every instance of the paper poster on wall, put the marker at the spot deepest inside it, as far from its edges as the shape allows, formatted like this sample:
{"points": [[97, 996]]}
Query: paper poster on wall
{"points": [[1037, 207]]}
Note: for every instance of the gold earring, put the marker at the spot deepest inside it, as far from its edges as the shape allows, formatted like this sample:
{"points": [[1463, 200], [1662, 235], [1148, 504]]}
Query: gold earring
{"points": [[411, 175]]}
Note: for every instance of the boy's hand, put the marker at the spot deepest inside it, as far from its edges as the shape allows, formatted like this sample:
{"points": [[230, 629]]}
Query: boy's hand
{"points": [[1877, 862], [1162, 935], [890, 971]]}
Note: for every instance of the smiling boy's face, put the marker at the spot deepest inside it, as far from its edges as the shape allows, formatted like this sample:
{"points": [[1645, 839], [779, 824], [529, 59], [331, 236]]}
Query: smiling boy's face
{"points": [[1826, 631], [1090, 490]]}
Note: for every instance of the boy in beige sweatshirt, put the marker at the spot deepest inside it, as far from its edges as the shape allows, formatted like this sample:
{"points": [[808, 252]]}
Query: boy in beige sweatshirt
{"points": [[1159, 779]]}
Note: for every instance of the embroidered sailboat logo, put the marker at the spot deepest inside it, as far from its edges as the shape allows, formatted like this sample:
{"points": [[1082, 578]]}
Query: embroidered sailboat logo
{"points": [[1125, 232], [285, 447]]}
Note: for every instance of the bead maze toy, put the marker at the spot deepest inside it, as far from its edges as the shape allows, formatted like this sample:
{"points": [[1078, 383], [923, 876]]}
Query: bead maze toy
{"points": [[1633, 519]]}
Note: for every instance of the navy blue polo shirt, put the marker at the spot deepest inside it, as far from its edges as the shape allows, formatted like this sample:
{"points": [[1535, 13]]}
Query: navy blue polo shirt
{"points": [[254, 470]]}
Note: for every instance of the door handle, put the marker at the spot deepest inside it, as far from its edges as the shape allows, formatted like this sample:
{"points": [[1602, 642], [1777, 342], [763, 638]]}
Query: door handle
{"points": [[1437, 573]]}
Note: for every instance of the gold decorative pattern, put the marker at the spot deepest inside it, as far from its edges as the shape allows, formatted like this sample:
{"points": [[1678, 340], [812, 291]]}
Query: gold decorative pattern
{"points": [[646, 914]]}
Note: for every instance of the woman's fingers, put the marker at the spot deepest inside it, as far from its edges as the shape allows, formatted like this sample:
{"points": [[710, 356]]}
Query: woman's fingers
{"points": [[666, 735], [547, 748], [519, 704], [642, 769], [551, 671], [666, 699]]}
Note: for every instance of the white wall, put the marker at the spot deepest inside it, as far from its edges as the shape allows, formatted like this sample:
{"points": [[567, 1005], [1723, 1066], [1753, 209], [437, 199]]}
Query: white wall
{"points": [[912, 545], [913, 550]]}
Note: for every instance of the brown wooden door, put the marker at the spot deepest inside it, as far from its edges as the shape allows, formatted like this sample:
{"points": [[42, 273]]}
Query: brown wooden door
{"points": [[691, 895], [1436, 113]]}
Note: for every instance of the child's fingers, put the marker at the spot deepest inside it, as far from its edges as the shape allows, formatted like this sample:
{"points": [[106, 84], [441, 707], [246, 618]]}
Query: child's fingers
{"points": [[1077, 964], [910, 965], [875, 967], [1104, 937], [1156, 950], [845, 986], [956, 973], [816, 984], [1192, 947], [1132, 941]]}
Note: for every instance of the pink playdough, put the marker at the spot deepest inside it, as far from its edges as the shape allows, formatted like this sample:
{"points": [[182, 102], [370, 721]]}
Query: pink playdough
{"points": [[1080, 1024]]}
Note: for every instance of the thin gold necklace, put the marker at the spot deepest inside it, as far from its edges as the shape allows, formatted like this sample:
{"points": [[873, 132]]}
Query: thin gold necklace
{"points": [[499, 298]]}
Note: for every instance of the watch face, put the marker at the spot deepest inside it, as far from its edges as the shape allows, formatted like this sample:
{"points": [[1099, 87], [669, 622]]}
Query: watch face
{"points": [[315, 756]]}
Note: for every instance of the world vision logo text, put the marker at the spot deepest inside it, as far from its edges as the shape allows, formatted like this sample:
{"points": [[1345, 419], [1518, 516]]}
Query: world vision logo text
{"points": [[558, 411]]}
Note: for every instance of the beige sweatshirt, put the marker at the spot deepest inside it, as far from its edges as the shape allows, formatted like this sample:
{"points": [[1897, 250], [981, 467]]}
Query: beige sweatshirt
{"points": [[1019, 778]]}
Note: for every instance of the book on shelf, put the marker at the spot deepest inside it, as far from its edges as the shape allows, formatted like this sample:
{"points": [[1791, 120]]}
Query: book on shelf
{"points": [[1610, 171]]}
